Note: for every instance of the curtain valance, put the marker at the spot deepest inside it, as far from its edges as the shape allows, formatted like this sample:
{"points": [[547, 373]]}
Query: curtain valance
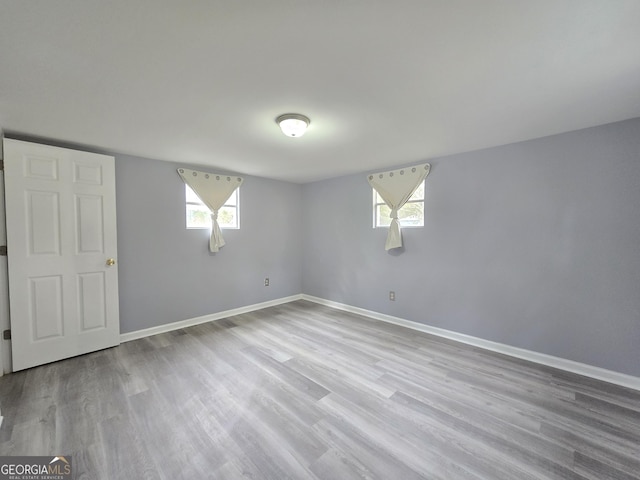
{"points": [[214, 190]]}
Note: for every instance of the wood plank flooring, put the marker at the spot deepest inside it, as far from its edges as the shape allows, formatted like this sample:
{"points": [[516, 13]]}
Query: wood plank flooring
{"points": [[302, 391]]}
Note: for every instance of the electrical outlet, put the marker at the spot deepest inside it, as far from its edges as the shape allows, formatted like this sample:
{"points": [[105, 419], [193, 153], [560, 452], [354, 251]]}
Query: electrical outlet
{"points": [[392, 296], [266, 282]]}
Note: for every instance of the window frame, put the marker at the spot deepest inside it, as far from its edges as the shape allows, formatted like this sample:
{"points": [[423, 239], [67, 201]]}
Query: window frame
{"points": [[377, 204], [199, 203]]}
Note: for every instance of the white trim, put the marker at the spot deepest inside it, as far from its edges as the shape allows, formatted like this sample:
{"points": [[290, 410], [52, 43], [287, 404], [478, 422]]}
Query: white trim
{"points": [[147, 332], [235, 193], [376, 204], [5, 321], [598, 373]]}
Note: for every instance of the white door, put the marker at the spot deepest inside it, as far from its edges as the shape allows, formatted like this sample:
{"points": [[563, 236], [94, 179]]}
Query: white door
{"points": [[61, 243]]}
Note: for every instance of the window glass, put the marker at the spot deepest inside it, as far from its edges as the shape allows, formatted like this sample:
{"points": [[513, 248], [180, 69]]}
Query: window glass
{"points": [[199, 216], [410, 215]]}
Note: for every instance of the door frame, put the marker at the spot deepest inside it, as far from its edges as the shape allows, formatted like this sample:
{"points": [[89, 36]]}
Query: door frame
{"points": [[5, 345]]}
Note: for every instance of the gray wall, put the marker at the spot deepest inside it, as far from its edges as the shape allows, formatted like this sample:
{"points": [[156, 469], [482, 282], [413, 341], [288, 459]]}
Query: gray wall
{"points": [[166, 272], [534, 244]]}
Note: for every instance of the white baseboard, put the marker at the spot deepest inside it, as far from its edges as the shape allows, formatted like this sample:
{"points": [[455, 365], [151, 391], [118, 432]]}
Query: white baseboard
{"points": [[549, 360], [541, 358], [147, 332]]}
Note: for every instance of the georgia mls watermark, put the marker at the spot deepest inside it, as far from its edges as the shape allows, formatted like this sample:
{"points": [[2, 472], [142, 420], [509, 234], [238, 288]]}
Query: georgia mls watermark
{"points": [[36, 468]]}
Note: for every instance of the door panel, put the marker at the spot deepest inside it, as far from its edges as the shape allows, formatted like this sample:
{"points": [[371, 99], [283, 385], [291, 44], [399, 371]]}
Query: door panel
{"points": [[43, 223], [40, 167], [87, 173], [45, 312], [89, 221], [61, 229], [91, 301]]}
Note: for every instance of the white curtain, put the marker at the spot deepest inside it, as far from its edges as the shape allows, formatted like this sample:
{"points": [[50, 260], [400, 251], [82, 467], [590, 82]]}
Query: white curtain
{"points": [[214, 190], [395, 188]]}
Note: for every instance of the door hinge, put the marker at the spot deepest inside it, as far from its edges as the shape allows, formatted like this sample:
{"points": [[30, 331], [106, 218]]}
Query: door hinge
{"points": [[1, 165], [6, 335], [3, 251]]}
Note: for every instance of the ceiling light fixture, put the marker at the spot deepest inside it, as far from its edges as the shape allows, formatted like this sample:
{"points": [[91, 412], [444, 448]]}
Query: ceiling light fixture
{"points": [[293, 124]]}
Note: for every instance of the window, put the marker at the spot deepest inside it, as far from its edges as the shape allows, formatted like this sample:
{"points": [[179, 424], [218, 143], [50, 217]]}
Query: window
{"points": [[199, 216], [410, 215]]}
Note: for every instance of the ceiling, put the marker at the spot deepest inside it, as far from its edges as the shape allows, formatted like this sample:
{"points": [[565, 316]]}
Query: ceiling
{"points": [[384, 83]]}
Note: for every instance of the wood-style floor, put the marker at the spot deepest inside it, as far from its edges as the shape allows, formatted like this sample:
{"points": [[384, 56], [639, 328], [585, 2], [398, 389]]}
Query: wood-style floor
{"points": [[301, 391]]}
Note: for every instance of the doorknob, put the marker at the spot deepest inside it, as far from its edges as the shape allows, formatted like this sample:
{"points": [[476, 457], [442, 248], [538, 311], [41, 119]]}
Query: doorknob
{"points": [[111, 262]]}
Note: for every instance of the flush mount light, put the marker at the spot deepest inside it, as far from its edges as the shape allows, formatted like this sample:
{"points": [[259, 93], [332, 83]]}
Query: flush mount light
{"points": [[293, 124]]}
